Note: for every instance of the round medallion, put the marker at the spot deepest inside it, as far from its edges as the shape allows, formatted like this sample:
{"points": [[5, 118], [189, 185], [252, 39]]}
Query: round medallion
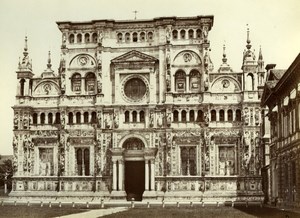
{"points": [[83, 61], [187, 57], [135, 89], [225, 83]]}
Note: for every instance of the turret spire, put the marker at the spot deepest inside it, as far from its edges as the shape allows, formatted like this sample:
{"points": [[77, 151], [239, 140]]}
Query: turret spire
{"points": [[26, 63], [260, 56], [224, 59], [49, 61], [248, 46]]}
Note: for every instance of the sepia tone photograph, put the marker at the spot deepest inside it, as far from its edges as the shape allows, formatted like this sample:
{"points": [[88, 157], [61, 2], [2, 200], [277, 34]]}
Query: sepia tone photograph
{"points": [[150, 108]]}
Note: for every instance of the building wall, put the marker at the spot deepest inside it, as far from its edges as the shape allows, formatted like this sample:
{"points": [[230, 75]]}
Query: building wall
{"points": [[154, 99]]}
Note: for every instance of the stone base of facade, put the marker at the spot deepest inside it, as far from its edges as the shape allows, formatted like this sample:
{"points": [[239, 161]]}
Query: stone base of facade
{"points": [[118, 195]]}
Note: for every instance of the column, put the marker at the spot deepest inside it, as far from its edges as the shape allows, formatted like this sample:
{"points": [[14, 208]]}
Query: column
{"points": [[152, 182], [188, 116], [114, 175], [138, 116], [82, 86], [217, 115], [146, 175], [90, 117], [225, 115], [81, 117], [120, 175], [38, 118], [187, 83], [233, 115], [130, 116], [179, 115], [46, 118]]}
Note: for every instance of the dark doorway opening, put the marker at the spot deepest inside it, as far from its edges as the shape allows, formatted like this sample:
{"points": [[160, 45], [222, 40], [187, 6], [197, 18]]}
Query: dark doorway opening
{"points": [[134, 179]]}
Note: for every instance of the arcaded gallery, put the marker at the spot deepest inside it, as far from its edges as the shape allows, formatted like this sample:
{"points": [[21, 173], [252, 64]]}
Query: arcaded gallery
{"points": [[137, 110]]}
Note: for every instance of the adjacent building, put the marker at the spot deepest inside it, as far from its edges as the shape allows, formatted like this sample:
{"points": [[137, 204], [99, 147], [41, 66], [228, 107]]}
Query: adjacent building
{"points": [[136, 110], [281, 101]]}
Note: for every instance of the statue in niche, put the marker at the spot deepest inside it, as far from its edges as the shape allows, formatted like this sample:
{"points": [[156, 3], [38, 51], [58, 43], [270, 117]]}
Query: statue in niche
{"points": [[116, 120], [256, 116], [16, 120], [205, 33], [168, 82], [246, 161], [99, 117], [100, 37], [98, 55], [64, 40], [25, 121], [228, 167], [160, 120], [206, 117], [169, 139], [168, 58], [169, 120], [168, 34], [63, 121], [99, 87], [246, 116], [63, 83], [222, 168], [151, 119], [15, 143], [207, 161], [107, 121]]}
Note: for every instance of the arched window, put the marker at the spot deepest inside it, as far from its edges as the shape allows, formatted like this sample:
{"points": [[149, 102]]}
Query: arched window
{"points": [[192, 115], [86, 38], [134, 37], [229, 115], [195, 81], [200, 116], [183, 116], [182, 34], [180, 81], [175, 116], [126, 116], [79, 38], [76, 82], [250, 82], [94, 37], [71, 38], [222, 117], [22, 87], [175, 34], [191, 34], [120, 37], [127, 37], [86, 117], [134, 116], [142, 36], [150, 36], [90, 82], [78, 117], [57, 118], [198, 33], [34, 118], [50, 118], [94, 117], [70, 118], [142, 116], [238, 115], [42, 118], [213, 115]]}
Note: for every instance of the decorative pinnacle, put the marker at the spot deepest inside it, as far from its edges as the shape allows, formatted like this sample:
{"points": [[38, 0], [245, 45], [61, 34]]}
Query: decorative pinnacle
{"points": [[49, 60], [260, 57], [248, 38], [224, 59], [25, 47]]}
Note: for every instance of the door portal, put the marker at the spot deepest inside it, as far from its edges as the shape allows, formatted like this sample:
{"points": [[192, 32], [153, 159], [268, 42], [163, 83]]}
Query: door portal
{"points": [[135, 179]]}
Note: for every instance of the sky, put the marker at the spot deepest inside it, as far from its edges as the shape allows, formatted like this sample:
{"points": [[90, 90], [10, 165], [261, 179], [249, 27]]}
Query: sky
{"points": [[274, 25]]}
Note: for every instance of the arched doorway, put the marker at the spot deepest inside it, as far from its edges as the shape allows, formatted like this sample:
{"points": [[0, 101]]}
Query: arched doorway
{"points": [[134, 168]]}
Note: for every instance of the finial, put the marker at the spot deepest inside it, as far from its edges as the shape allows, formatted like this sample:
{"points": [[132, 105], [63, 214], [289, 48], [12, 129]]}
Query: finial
{"points": [[224, 59], [260, 56], [135, 12], [248, 38], [49, 60], [25, 47]]}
